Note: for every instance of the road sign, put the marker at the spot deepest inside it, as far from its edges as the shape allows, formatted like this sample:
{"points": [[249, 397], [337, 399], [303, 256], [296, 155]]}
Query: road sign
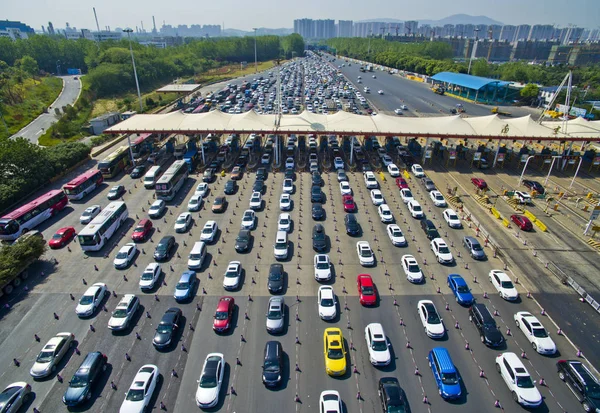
{"points": [[596, 161], [428, 154], [595, 213], [476, 156], [524, 158], [452, 154], [501, 157]]}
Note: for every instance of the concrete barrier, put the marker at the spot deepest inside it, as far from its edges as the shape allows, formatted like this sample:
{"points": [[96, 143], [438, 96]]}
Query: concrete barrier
{"points": [[529, 215], [540, 225], [495, 213]]}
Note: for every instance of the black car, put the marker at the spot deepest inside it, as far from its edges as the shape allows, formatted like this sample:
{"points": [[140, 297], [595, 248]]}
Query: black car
{"points": [[209, 175], [484, 322], [272, 363], [167, 328], [318, 213], [230, 187], [581, 382], [534, 186], [275, 280], [316, 179], [242, 242], [258, 186], [290, 174], [393, 398], [319, 239], [316, 195], [429, 229], [138, 171], [164, 247], [261, 173], [116, 192], [84, 379], [352, 225], [242, 160]]}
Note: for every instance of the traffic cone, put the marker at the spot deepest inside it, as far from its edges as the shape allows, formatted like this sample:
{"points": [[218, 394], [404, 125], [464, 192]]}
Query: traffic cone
{"points": [[36, 337], [246, 316], [579, 353], [425, 400], [401, 322], [55, 316], [543, 312], [408, 344], [467, 346], [481, 374], [183, 348], [16, 362], [162, 406], [203, 290], [232, 391], [191, 327], [137, 336], [92, 328], [173, 373], [237, 361], [249, 297], [198, 307], [395, 303], [528, 294], [523, 355], [439, 290], [358, 396], [148, 314], [242, 339], [156, 297], [77, 351], [59, 378], [113, 385], [542, 382], [84, 281], [297, 398], [496, 313], [456, 325], [497, 403], [508, 333], [127, 357], [485, 294], [417, 372], [71, 296], [559, 332], [447, 307], [297, 340]]}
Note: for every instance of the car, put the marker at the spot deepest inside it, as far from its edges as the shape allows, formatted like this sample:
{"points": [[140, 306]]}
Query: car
{"points": [[209, 231], [124, 312], [330, 402], [334, 351], [89, 214], [430, 319], [61, 237], [185, 286], [317, 212], [183, 222], [163, 249], [285, 202], [275, 315], [91, 300], [322, 266], [417, 170], [386, 160], [406, 195], [81, 385], [223, 314], [46, 362], [284, 223], [411, 269], [349, 204], [479, 183], [243, 240], [581, 382], [429, 229], [138, 171], [316, 179], [393, 170], [460, 289], [518, 380], [150, 276], [313, 167], [248, 220], [365, 254], [288, 186], [522, 222], [167, 328], [351, 224], [256, 201], [398, 111], [316, 195], [272, 364], [366, 290], [116, 192], [202, 189], [319, 238], [370, 180], [338, 163], [275, 279], [211, 379], [289, 174], [327, 303], [385, 213], [289, 163], [345, 188], [230, 187], [341, 175], [195, 203], [258, 186], [534, 186], [391, 395], [483, 320], [208, 175], [403, 107], [233, 275], [401, 183], [236, 173], [445, 373], [474, 248], [452, 218], [415, 209], [437, 198], [377, 344], [265, 159], [396, 236], [157, 208], [428, 184], [522, 197], [219, 204], [377, 197], [535, 332], [137, 398]]}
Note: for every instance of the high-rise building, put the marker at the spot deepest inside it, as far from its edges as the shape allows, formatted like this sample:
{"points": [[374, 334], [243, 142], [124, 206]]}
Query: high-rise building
{"points": [[542, 32], [508, 33], [361, 29], [305, 28], [50, 28], [448, 31], [494, 30], [324, 29], [344, 28], [15, 30], [410, 27]]}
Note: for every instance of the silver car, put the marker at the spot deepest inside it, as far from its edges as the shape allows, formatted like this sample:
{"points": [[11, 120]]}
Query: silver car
{"points": [[275, 315], [474, 247], [47, 361]]}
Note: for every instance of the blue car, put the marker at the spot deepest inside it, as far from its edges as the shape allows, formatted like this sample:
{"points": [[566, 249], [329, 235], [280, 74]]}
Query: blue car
{"points": [[185, 287], [446, 376], [460, 289]]}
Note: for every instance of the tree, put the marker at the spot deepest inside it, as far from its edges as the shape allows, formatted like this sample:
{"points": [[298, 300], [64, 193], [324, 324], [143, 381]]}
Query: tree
{"points": [[530, 93], [28, 65], [480, 67]]}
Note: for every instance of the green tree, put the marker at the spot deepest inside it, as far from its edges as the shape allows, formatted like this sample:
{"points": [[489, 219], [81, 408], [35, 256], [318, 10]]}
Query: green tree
{"points": [[529, 93], [480, 67], [28, 65]]}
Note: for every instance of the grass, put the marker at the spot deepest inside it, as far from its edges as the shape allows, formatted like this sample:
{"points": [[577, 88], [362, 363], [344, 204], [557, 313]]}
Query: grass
{"points": [[232, 71], [37, 96]]}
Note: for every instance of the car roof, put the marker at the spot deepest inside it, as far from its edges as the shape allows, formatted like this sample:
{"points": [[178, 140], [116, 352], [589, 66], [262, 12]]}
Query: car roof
{"points": [[376, 329], [326, 291], [365, 279], [516, 363], [224, 303], [458, 279], [127, 298], [166, 239], [92, 290], [186, 276], [142, 376]]}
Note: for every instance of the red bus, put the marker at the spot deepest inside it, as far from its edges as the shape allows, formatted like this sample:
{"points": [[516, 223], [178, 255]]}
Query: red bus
{"points": [[83, 184], [28, 216], [199, 109]]}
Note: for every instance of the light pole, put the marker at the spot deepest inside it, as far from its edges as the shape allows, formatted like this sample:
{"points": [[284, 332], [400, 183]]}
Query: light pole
{"points": [[525, 167], [554, 158], [255, 54], [576, 172], [137, 84]]}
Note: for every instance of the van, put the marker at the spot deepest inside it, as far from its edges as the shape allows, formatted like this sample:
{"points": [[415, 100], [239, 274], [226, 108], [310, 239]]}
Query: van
{"points": [[445, 373], [272, 363], [152, 176], [85, 378], [197, 255], [280, 249]]}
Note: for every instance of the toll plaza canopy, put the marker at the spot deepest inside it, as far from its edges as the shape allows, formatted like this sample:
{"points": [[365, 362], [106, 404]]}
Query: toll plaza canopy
{"points": [[345, 124], [479, 89], [179, 88]]}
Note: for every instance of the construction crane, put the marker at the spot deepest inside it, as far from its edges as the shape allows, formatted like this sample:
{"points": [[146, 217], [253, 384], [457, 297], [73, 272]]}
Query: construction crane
{"points": [[490, 36]]}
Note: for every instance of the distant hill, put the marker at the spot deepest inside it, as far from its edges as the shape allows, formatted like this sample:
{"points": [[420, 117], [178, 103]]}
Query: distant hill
{"points": [[454, 19], [261, 32]]}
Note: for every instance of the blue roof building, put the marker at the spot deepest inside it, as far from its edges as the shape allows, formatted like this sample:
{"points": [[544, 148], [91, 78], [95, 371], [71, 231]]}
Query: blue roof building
{"points": [[476, 88]]}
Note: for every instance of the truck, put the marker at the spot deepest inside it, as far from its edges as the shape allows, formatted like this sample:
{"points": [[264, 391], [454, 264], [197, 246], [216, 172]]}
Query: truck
{"points": [[369, 68], [496, 110], [15, 260]]}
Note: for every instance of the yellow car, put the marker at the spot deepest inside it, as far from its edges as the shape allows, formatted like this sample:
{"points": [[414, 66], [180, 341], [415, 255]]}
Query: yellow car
{"points": [[334, 352]]}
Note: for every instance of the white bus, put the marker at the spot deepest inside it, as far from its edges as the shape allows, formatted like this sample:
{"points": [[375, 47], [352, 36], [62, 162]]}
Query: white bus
{"points": [[171, 181], [97, 233]]}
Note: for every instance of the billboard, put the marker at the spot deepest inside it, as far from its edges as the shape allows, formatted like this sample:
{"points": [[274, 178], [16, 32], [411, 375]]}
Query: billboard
{"points": [[573, 112]]}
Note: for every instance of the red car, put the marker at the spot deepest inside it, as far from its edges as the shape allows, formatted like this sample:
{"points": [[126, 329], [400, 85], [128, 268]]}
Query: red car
{"points": [[366, 289], [223, 314], [479, 183], [401, 183], [142, 230], [349, 205], [522, 222], [62, 237]]}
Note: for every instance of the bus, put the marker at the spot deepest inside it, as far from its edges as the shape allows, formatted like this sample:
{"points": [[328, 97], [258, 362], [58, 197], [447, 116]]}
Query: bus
{"points": [[200, 109], [171, 181], [30, 215], [115, 162], [83, 184], [141, 145], [97, 233]]}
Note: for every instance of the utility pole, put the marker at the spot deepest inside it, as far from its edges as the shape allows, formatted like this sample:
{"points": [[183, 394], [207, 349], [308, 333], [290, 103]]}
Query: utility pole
{"points": [[473, 52], [255, 54], [137, 84], [370, 35]]}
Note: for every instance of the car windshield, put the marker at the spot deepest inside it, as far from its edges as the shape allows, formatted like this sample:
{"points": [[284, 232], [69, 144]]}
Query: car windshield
{"points": [[477, 247], [139, 229], [396, 233], [271, 366], [444, 250], [221, 315], [416, 207], [365, 252], [78, 381], [407, 193], [45, 357], [540, 333], [462, 289], [453, 217], [507, 284], [164, 328], [524, 382], [379, 345], [413, 268], [327, 302], [208, 382], [119, 313], [181, 220], [207, 230], [182, 286], [449, 378], [439, 197], [121, 255], [274, 314], [86, 299], [284, 221], [335, 353], [135, 395], [280, 245], [57, 236], [147, 275], [365, 290], [231, 274], [86, 213], [322, 265]]}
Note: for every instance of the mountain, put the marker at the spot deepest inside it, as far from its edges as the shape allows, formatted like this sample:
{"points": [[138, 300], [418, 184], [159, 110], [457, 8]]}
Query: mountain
{"points": [[260, 32], [454, 19]]}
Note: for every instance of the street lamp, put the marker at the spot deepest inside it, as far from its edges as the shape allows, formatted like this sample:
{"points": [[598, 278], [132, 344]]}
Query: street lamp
{"points": [[137, 84], [525, 167], [554, 158], [255, 54]]}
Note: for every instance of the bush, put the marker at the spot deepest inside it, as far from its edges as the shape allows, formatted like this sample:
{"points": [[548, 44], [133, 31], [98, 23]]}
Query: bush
{"points": [[16, 257], [99, 140]]}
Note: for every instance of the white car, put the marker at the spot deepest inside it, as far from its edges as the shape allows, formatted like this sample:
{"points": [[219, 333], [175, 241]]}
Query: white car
{"points": [[124, 312], [380, 92], [535, 332], [437, 198], [522, 197], [503, 284], [398, 111], [248, 219], [15, 395], [370, 180], [327, 302], [406, 195], [396, 235], [285, 222], [385, 213], [209, 231], [417, 170], [518, 380], [265, 159], [150, 276], [202, 189], [430, 318], [91, 299], [452, 218], [125, 255], [183, 222], [441, 251], [393, 170], [330, 402], [338, 163], [288, 186], [379, 352], [285, 202], [411, 269], [345, 188], [89, 214], [415, 209], [289, 163], [47, 360], [403, 107], [256, 200], [281, 248], [377, 197], [211, 378], [322, 267], [365, 254], [386, 160], [137, 398], [195, 203], [275, 317], [157, 208], [233, 274]]}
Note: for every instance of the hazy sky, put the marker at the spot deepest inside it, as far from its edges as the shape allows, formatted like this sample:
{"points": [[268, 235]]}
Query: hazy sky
{"points": [[276, 14]]}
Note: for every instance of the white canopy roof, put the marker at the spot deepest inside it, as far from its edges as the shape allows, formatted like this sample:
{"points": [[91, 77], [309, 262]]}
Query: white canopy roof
{"points": [[577, 126]]}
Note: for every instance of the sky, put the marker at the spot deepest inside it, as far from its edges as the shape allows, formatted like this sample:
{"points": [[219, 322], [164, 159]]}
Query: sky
{"points": [[245, 14]]}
